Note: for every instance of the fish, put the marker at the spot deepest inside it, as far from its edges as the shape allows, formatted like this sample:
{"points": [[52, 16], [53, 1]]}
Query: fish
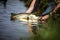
{"points": [[24, 17]]}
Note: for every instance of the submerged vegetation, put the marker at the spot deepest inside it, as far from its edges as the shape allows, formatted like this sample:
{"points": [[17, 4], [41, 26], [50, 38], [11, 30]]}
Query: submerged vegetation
{"points": [[50, 31]]}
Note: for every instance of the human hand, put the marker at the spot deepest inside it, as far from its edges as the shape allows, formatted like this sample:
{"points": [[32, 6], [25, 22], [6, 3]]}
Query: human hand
{"points": [[44, 18], [54, 12]]}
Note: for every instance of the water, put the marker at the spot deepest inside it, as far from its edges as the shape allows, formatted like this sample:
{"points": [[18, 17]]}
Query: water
{"points": [[10, 30]]}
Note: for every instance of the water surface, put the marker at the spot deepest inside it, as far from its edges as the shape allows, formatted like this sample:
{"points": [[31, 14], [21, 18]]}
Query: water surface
{"points": [[10, 30]]}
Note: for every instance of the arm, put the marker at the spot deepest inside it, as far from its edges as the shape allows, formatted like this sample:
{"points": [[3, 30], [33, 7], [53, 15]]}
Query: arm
{"points": [[57, 7], [30, 9]]}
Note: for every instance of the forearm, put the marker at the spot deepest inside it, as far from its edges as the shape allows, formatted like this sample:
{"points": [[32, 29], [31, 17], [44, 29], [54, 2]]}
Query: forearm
{"points": [[30, 9], [57, 7]]}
